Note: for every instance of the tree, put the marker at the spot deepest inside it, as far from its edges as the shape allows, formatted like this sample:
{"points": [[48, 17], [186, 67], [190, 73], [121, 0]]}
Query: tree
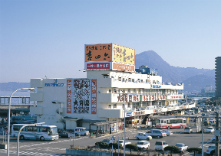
{"points": [[195, 150], [131, 146]]}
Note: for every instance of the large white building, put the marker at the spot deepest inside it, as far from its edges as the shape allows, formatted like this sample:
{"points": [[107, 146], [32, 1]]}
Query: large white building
{"points": [[101, 96]]}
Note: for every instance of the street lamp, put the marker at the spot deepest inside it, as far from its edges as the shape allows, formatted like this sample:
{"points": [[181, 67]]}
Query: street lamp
{"points": [[9, 112], [21, 130]]}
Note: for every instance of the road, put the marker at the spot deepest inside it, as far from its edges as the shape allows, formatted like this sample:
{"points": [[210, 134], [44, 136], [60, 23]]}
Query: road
{"points": [[58, 147]]}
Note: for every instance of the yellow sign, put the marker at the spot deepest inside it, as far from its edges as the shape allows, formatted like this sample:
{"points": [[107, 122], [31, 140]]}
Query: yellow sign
{"points": [[187, 120], [123, 54]]}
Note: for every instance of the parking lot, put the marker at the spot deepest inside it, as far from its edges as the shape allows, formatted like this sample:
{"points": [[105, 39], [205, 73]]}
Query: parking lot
{"points": [[58, 147]]}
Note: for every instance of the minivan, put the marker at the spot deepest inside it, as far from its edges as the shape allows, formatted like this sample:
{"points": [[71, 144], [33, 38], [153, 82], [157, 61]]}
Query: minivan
{"points": [[160, 145], [81, 130]]}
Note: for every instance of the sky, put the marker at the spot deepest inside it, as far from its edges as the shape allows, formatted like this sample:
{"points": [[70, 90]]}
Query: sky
{"points": [[46, 38]]}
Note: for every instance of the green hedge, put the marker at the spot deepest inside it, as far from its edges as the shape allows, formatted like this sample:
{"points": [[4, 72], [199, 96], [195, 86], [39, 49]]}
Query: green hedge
{"points": [[172, 149]]}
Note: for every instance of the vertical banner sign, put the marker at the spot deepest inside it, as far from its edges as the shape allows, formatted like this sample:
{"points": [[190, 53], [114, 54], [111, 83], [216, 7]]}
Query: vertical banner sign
{"points": [[81, 96], [93, 96], [69, 88]]}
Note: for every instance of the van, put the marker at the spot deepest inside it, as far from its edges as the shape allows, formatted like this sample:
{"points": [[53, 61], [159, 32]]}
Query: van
{"points": [[160, 145], [81, 130]]}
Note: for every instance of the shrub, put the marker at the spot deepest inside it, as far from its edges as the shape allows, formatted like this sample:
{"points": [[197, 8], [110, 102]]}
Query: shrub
{"points": [[115, 146], [172, 149], [131, 147], [195, 150], [102, 144]]}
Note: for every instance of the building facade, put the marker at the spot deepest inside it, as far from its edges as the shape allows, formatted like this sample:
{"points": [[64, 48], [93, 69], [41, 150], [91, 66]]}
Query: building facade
{"points": [[112, 90], [218, 76]]}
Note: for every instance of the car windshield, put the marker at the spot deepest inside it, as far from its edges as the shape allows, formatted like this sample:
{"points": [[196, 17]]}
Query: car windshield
{"points": [[212, 147], [179, 145], [140, 143], [210, 128], [158, 143], [121, 141]]}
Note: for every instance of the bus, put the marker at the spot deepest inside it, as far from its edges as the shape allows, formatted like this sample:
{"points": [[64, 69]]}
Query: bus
{"points": [[171, 123], [36, 132]]}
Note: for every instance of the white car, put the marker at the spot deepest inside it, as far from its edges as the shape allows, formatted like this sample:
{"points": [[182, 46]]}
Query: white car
{"points": [[143, 145], [122, 142], [160, 145], [209, 130], [210, 148], [143, 136], [182, 147], [168, 132]]}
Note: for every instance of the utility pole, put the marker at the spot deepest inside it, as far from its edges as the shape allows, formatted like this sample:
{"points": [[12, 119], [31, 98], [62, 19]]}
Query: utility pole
{"points": [[217, 134]]}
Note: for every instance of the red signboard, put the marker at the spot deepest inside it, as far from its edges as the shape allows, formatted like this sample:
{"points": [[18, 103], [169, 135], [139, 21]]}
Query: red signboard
{"points": [[98, 65], [93, 96], [69, 88]]}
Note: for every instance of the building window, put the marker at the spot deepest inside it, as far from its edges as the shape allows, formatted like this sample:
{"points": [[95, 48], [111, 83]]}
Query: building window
{"points": [[128, 90], [132, 80], [109, 106], [115, 105], [129, 79], [141, 80], [128, 105], [119, 78], [109, 90], [134, 90], [123, 79]]}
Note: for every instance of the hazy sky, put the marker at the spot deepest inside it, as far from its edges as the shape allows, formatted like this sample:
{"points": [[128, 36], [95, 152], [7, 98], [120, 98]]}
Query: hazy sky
{"points": [[47, 37]]}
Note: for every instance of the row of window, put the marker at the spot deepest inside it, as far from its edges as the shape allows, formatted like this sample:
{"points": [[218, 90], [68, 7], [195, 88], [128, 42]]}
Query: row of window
{"points": [[32, 128]]}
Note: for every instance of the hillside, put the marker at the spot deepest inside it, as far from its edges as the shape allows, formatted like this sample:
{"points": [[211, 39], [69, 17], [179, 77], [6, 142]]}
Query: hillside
{"points": [[194, 79]]}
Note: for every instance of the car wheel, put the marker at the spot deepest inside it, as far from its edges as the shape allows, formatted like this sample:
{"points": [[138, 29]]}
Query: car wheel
{"points": [[22, 137], [158, 137], [138, 138], [42, 138]]}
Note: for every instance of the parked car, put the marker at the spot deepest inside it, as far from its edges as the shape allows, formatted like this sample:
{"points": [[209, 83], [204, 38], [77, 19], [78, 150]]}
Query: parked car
{"points": [[81, 131], [63, 134], [143, 145], [188, 130], [143, 136], [168, 132], [122, 142], [209, 130], [160, 145], [156, 133], [182, 147], [210, 148], [213, 139]]}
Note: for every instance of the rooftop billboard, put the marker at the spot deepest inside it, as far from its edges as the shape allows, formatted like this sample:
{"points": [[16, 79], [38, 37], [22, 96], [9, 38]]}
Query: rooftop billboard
{"points": [[109, 52]]}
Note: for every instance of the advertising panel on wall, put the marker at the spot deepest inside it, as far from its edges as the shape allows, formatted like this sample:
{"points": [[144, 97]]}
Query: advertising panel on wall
{"points": [[122, 67], [80, 96]]}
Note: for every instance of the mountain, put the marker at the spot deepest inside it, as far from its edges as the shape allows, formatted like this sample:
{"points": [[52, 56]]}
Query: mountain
{"points": [[194, 79]]}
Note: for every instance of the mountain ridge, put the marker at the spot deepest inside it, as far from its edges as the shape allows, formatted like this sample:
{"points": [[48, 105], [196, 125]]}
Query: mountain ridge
{"points": [[177, 74]]}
